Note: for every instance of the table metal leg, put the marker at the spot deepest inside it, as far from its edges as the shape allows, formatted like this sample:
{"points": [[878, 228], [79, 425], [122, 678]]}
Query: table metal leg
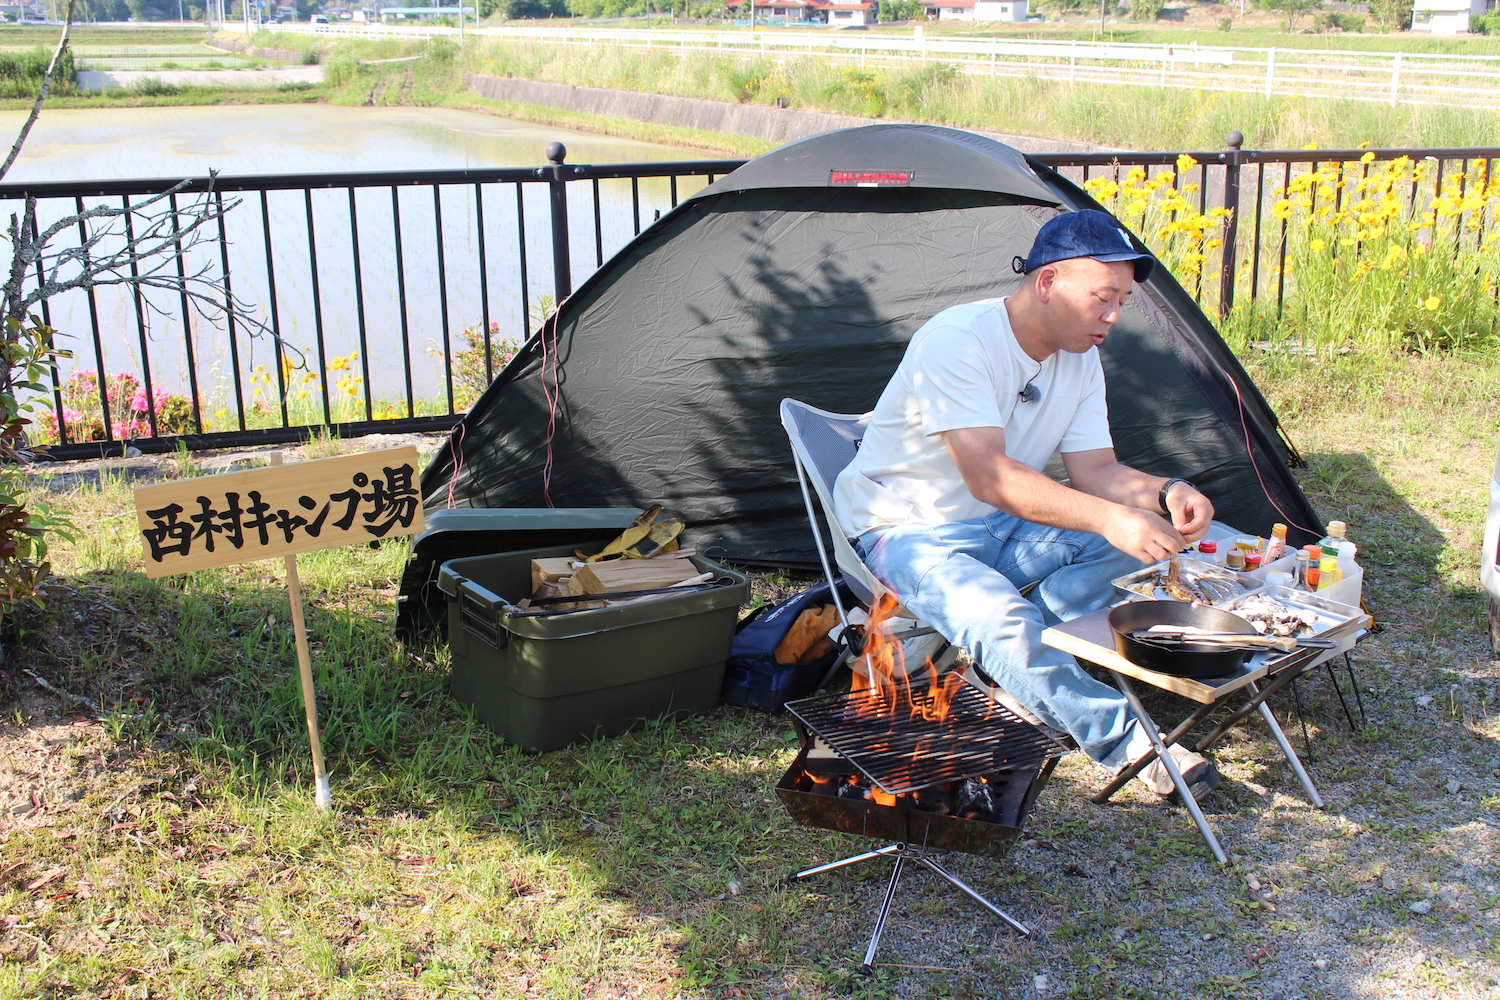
{"points": [[1278, 680], [1161, 751], [1333, 675], [1349, 666], [1119, 780], [1286, 749]]}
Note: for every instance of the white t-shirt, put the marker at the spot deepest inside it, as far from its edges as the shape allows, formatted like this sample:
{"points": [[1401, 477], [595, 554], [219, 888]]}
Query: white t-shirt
{"points": [[963, 368]]}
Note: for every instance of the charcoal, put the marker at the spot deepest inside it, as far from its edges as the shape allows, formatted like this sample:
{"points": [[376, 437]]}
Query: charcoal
{"points": [[936, 799], [974, 799], [853, 790]]}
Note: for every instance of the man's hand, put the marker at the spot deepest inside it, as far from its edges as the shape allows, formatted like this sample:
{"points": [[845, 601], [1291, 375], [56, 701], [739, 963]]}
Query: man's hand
{"points": [[1142, 534], [1190, 511]]}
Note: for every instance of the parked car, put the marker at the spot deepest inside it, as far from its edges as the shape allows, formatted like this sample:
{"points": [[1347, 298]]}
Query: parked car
{"points": [[317, 19], [1489, 557]]}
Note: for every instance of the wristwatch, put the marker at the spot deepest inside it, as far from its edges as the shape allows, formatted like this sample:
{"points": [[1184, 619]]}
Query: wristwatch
{"points": [[1166, 487]]}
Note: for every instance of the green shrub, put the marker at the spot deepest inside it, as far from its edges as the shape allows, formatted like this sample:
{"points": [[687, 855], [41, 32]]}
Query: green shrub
{"points": [[152, 86], [1486, 24], [1146, 11], [342, 66], [1225, 23], [441, 50]]}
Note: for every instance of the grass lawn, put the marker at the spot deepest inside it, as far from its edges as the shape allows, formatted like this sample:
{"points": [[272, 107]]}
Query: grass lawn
{"points": [[165, 843]]}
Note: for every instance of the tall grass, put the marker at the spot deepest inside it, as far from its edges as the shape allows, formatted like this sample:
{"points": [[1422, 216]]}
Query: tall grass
{"points": [[1128, 117], [21, 73]]}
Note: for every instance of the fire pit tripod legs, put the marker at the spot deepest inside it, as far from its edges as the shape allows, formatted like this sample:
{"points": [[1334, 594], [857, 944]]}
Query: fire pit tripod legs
{"points": [[903, 854]]}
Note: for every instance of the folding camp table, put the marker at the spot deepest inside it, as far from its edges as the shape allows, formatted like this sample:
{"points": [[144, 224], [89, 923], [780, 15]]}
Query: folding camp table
{"points": [[1264, 674]]}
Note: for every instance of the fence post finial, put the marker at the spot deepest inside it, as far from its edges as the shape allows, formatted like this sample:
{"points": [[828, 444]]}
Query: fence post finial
{"points": [[1227, 262], [562, 266]]}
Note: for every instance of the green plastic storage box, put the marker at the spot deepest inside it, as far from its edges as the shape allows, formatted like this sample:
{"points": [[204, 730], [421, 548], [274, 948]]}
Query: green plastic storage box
{"points": [[543, 683]]}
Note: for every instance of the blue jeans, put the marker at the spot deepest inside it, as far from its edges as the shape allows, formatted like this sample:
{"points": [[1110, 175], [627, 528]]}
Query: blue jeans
{"points": [[964, 579]]}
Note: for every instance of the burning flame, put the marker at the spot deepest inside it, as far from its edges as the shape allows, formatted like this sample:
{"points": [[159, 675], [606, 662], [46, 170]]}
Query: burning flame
{"points": [[884, 687]]}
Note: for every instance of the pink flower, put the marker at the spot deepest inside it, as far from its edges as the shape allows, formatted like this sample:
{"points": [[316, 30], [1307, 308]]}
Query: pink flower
{"points": [[138, 402]]}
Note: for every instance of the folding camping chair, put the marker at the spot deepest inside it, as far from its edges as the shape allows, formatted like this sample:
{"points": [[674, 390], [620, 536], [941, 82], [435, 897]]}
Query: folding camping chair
{"points": [[823, 443]]}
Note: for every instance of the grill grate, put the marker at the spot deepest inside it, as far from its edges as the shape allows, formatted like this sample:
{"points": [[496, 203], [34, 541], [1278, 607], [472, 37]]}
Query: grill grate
{"points": [[902, 753]]}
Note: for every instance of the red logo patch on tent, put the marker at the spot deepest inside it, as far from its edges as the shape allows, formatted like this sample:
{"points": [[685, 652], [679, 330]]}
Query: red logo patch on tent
{"points": [[869, 178]]}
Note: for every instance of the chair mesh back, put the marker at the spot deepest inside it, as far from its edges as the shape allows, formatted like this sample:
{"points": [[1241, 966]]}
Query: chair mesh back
{"points": [[826, 443], [830, 442]]}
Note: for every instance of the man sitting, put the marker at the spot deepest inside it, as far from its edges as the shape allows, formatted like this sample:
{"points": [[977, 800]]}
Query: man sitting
{"points": [[949, 507]]}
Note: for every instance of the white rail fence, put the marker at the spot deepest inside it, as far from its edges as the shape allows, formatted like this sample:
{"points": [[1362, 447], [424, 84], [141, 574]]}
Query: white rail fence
{"points": [[1386, 77]]}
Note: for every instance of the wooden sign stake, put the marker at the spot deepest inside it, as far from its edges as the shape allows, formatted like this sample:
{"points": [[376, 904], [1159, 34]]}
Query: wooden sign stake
{"points": [[237, 517], [304, 666]]}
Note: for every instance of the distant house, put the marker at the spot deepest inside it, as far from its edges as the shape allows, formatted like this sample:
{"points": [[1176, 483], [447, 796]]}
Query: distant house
{"points": [[398, 14], [1447, 17], [999, 10], [844, 14], [951, 10]]}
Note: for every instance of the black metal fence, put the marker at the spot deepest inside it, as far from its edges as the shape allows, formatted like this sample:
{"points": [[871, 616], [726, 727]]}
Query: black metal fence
{"points": [[352, 271]]}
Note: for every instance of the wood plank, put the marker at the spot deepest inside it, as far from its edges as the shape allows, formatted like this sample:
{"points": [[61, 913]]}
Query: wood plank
{"points": [[629, 574]]}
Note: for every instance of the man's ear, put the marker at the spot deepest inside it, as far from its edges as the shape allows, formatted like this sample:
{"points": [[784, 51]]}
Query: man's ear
{"points": [[1045, 281]]}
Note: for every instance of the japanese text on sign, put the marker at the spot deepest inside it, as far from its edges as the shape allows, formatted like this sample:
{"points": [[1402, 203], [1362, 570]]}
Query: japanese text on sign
{"points": [[277, 511]]}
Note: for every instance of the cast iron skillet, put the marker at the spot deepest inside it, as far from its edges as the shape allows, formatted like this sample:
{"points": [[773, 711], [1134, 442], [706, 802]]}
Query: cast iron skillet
{"points": [[1189, 659]]}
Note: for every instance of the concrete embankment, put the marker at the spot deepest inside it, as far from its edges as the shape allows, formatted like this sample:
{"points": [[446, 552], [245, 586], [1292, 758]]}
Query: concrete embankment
{"points": [[237, 79], [756, 121]]}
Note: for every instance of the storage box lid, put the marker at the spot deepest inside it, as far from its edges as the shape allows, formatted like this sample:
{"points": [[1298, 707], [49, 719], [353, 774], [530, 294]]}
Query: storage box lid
{"points": [[456, 532], [496, 583]]}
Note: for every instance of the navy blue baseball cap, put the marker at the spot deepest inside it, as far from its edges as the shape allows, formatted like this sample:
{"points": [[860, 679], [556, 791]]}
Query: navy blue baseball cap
{"points": [[1088, 233]]}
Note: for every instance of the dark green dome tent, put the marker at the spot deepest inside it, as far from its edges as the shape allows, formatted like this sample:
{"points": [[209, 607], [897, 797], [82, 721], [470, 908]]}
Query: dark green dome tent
{"points": [[786, 278]]}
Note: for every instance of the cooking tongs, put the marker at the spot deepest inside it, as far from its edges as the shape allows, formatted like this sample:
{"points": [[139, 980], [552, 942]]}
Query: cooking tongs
{"points": [[1172, 638]]}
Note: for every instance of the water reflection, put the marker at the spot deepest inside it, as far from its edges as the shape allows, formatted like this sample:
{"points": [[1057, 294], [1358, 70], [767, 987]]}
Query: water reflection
{"points": [[414, 282]]}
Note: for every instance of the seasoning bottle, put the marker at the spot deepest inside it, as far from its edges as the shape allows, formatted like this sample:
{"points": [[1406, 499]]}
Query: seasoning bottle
{"points": [[1247, 544], [1328, 572], [1337, 530], [1299, 570], [1275, 545], [1235, 560], [1312, 574], [1208, 551], [1252, 562]]}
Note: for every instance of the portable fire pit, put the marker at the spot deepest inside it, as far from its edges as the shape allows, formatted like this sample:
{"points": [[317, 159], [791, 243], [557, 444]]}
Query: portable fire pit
{"points": [[934, 770]]}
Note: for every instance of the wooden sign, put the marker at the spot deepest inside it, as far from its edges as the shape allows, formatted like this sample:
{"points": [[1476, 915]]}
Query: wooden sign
{"points": [[278, 511]]}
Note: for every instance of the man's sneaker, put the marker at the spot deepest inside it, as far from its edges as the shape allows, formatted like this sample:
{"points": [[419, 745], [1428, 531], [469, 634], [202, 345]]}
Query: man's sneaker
{"points": [[1198, 771]]}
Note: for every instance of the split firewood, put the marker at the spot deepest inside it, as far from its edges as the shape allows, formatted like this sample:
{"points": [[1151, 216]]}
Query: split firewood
{"points": [[546, 571], [632, 574]]}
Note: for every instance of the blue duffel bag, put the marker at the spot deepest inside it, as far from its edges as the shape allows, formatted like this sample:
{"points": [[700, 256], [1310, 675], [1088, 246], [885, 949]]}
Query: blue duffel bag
{"points": [[752, 677]]}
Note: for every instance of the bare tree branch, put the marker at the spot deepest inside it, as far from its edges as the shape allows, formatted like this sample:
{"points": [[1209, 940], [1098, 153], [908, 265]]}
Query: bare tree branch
{"points": [[41, 96]]}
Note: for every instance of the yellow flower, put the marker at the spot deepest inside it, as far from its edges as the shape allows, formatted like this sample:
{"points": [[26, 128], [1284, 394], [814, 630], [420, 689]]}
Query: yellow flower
{"points": [[1311, 145], [1185, 163], [1367, 158], [1317, 246], [1432, 303]]}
